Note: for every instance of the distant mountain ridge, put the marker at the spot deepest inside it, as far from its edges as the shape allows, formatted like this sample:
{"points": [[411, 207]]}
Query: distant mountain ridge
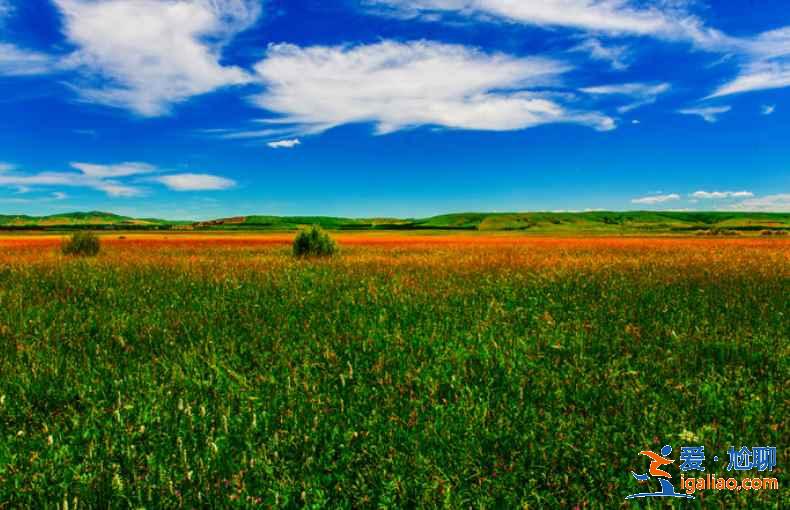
{"points": [[538, 222], [78, 220]]}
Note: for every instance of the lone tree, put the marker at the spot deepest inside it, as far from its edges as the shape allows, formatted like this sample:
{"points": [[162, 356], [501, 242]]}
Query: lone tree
{"points": [[314, 242], [85, 244]]}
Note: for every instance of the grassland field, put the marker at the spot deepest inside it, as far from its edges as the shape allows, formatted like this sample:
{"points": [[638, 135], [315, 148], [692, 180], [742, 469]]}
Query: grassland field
{"points": [[415, 370]]}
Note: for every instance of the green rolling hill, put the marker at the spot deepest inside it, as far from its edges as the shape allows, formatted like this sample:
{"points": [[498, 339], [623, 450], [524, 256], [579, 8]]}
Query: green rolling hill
{"points": [[80, 220], [634, 222]]}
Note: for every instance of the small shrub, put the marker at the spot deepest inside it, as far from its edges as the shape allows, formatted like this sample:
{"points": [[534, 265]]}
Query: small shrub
{"points": [[85, 244], [716, 231], [314, 242]]}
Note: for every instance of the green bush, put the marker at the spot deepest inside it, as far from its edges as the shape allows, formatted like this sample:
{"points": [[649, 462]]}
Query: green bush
{"points": [[86, 244], [314, 242]]}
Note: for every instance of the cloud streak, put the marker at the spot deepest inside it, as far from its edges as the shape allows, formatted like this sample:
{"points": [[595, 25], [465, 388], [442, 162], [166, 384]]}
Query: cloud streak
{"points": [[719, 195], [108, 179], [656, 18], [765, 64], [764, 58], [709, 114], [769, 203], [16, 61], [656, 199], [73, 179], [618, 56], [642, 94], [284, 144]]}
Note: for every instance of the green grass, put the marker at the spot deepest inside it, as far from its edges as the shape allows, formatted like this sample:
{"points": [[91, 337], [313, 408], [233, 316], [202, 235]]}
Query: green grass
{"points": [[380, 380]]}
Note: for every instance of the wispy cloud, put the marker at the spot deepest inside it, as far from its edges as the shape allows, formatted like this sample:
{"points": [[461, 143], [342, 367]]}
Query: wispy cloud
{"points": [[760, 75], [15, 61], [401, 85], [707, 113], [273, 134], [764, 63], [658, 18], [195, 182], [81, 179], [284, 144], [641, 94], [767, 109], [109, 179], [618, 56], [769, 203], [171, 54], [114, 171], [656, 199], [764, 59], [718, 195]]}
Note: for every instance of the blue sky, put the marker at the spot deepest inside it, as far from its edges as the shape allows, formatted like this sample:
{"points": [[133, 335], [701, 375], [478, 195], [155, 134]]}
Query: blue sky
{"points": [[193, 109]]}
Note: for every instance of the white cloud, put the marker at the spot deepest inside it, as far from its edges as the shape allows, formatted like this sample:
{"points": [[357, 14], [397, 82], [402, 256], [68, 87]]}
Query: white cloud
{"points": [[59, 195], [765, 63], [195, 182], [768, 109], [72, 179], [5, 167], [656, 199], [717, 195], [400, 85], [146, 55], [618, 56], [114, 171], [759, 75], [284, 144], [99, 177], [642, 93], [764, 58], [107, 178], [657, 18], [16, 61], [770, 203], [709, 113]]}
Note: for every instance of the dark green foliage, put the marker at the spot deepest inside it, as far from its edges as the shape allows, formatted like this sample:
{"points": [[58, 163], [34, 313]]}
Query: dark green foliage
{"points": [[314, 242], [86, 244]]}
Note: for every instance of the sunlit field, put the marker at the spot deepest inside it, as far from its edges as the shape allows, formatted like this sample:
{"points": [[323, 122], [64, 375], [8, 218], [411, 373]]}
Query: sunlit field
{"points": [[418, 371]]}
